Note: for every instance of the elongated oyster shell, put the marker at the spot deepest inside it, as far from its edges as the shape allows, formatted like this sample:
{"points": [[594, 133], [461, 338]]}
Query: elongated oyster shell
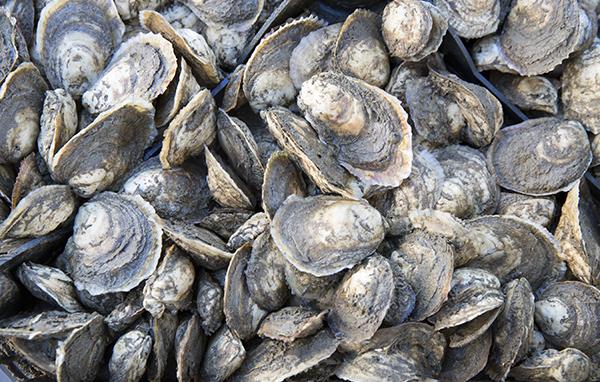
{"points": [[129, 356], [336, 233], [143, 67], [126, 312], [367, 127], [164, 329], [552, 365], [179, 92], [9, 301], [46, 325], [557, 151], [21, 99], [413, 29], [9, 43], [539, 210], [464, 363], [116, 244], [281, 180], [249, 230], [224, 355], [74, 41], [267, 79], [291, 323], [209, 302], [28, 179], [534, 93], [190, 344], [225, 186], [58, 123], [100, 154], [471, 19], [233, 95]]}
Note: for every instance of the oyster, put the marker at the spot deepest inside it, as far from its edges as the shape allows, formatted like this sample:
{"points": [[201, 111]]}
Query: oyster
{"points": [[464, 363], [487, 55], [58, 123], [401, 78], [552, 365], [46, 325], [209, 302], [143, 67], [10, 45], [249, 230], [310, 288], [539, 210], [233, 95], [355, 117], [534, 93], [225, 186], [471, 19], [129, 9], [21, 100], [557, 151], [413, 29], [126, 312], [179, 92], [233, 14], [116, 244], [224, 355], [28, 179], [164, 329], [11, 293], [226, 221], [129, 356], [291, 323], [75, 39], [189, 348], [282, 179], [267, 79], [336, 233]]}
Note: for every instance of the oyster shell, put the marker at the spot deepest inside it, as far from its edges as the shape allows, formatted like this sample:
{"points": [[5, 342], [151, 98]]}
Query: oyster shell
{"points": [[27, 180], [127, 312], [24, 13], [10, 44], [401, 78], [557, 151], [224, 355], [164, 329], [143, 67], [336, 233], [129, 356], [310, 288], [11, 293], [232, 14], [282, 179], [58, 123], [291, 323], [534, 93], [225, 187], [233, 95], [189, 349], [355, 117], [75, 39], [249, 230], [487, 55], [464, 363], [552, 365], [413, 29], [21, 100], [52, 324], [471, 19], [209, 302], [539, 210], [130, 9], [226, 221], [116, 244]]}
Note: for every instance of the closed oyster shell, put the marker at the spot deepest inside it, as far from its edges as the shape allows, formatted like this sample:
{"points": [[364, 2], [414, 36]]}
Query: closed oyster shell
{"points": [[58, 123], [224, 355], [129, 356], [249, 230], [116, 244], [209, 302], [24, 13], [179, 92], [51, 324], [556, 151], [225, 221], [401, 79], [464, 363], [291, 323], [9, 44], [126, 312], [534, 93], [146, 64], [231, 14], [28, 179], [366, 126], [189, 349], [552, 365], [21, 100], [267, 79], [233, 95], [577, 232], [282, 179], [471, 19], [225, 186], [323, 235], [310, 288], [164, 329], [75, 39], [539, 210]]}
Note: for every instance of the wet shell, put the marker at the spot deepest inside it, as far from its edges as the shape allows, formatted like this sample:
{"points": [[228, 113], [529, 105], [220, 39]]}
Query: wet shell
{"points": [[224, 355], [249, 230], [360, 51], [323, 235], [471, 19], [58, 123], [539, 210], [275, 361], [557, 151], [209, 302], [566, 314], [464, 363], [552, 365], [535, 93], [362, 300], [74, 41], [282, 179], [50, 285], [100, 154], [40, 212], [291, 323], [129, 356], [189, 349], [21, 100], [267, 79], [193, 127], [179, 92], [413, 29], [143, 67], [577, 231], [164, 329], [355, 117], [512, 329], [421, 257], [116, 244]]}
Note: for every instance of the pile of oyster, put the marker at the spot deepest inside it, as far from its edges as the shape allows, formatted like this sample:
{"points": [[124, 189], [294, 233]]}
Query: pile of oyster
{"points": [[254, 190]]}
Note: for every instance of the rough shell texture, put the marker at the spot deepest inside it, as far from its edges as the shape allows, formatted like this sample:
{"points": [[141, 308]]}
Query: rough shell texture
{"points": [[553, 365], [291, 323], [282, 179], [225, 186], [224, 354], [179, 92], [464, 363], [129, 356], [209, 302], [58, 123], [539, 210], [471, 19], [535, 93]]}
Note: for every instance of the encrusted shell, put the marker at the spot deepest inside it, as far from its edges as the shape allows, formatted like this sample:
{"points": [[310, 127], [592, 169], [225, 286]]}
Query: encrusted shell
{"points": [[539, 210], [291, 323], [58, 123], [282, 179], [209, 302], [249, 230], [190, 343], [164, 329], [471, 19], [567, 365], [9, 44], [129, 356], [224, 354]]}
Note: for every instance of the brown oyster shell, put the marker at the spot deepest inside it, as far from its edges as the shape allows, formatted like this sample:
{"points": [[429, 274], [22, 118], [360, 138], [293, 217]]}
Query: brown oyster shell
{"points": [[225, 186], [28, 179]]}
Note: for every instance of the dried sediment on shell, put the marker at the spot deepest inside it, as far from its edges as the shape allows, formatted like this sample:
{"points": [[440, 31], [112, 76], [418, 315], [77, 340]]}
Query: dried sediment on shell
{"points": [[569, 364], [74, 41], [179, 92], [413, 29], [556, 151], [577, 232], [366, 126], [224, 354], [362, 300], [471, 19], [313, 54], [291, 323], [323, 235], [282, 179], [225, 186], [100, 154], [360, 51], [464, 363], [539, 210], [579, 93], [40, 212], [191, 45], [193, 127], [21, 100], [267, 79], [487, 56], [129, 356], [116, 244], [534, 93], [143, 67], [58, 123], [468, 189]]}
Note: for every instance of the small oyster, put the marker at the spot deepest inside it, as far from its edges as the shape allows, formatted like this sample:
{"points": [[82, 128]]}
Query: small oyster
{"points": [[225, 186], [534, 93], [116, 244], [224, 355], [164, 329], [225, 221], [569, 365], [282, 179], [249, 230], [401, 78], [179, 92], [413, 29], [50, 285], [127, 312], [291, 323], [336, 233], [75, 39], [10, 45], [557, 151], [366, 126], [267, 79], [143, 67], [487, 55], [58, 123], [310, 288], [21, 100], [539, 210], [189, 348], [209, 302], [471, 19], [129, 356], [233, 95], [464, 363]]}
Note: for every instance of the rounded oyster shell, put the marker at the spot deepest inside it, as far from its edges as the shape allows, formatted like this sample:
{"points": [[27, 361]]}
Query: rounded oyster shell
{"points": [[464, 363], [323, 235], [129, 356], [471, 19], [281, 180], [96, 256], [224, 354], [291, 323], [249, 230], [534, 93], [557, 151], [552, 365], [232, 14], [75, 39], [539, 210]]}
